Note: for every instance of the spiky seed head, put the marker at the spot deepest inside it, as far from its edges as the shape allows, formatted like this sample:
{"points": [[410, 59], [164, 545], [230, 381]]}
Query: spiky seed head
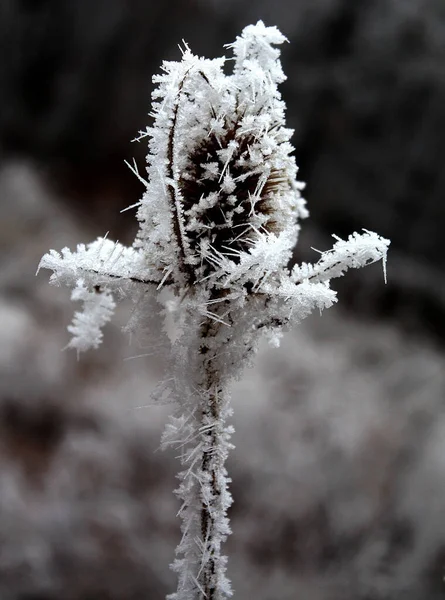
{"points": [[220, 164]]}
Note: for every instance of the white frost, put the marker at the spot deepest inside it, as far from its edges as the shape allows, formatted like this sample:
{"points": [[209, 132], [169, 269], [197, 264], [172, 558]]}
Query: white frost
{"points": [[98, 307]]}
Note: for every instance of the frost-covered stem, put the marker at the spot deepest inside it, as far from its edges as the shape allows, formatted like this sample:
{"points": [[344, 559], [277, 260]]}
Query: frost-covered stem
{"points": [[215, 438], [204, 482], [214, 524]]}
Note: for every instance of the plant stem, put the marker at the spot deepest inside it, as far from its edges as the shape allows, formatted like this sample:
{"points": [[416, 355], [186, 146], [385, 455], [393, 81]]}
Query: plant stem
{"points": [[204, 438], [214, 527]]}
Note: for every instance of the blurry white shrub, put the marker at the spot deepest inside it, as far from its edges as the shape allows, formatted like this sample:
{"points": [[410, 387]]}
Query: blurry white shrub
{"points": [[208, 270]]}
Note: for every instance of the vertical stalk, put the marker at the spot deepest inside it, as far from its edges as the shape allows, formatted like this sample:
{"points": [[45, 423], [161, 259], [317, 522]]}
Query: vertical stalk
{"points": [[214, 496], [204, 439]]}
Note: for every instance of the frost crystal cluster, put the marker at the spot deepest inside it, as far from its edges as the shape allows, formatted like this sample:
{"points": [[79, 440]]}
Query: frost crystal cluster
{"points": [[218, 222]]}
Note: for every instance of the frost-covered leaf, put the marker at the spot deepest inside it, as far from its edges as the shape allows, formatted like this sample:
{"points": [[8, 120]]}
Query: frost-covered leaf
{"points": [[357, 251], [100, 261]]}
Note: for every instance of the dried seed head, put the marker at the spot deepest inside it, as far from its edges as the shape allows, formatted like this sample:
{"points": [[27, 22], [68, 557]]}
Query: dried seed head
{"points": [[220, 166]]}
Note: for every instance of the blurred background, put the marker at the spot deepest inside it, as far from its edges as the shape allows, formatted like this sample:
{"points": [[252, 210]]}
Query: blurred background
{"points": [[339, 470]]}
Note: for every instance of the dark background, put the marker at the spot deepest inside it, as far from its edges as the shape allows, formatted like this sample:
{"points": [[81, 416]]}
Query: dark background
{"points": [[366, 97]]}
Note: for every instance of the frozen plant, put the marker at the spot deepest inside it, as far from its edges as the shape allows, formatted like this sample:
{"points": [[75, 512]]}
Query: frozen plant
{"points": [[208, 271]]}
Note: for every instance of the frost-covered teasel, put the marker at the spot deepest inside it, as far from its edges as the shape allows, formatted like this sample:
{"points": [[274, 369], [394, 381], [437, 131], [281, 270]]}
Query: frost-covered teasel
{"points": [[218, 222]]}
